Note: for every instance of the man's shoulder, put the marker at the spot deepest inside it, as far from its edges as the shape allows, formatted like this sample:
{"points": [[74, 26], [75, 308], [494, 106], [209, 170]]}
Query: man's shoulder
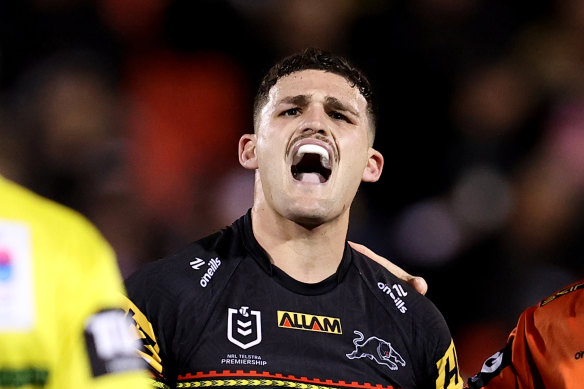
{"points": [[194, 263], [554, 309], [393, 292], [59, 236], [413, 313], [567, 295], [19, 204], [376, 274]]}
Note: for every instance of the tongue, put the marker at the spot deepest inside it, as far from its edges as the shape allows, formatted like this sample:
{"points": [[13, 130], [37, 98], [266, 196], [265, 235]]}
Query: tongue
{"points": [[313, 178]]}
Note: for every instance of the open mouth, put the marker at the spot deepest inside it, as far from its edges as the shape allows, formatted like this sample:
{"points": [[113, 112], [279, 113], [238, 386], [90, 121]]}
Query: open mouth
{"points": [[311, 164]]}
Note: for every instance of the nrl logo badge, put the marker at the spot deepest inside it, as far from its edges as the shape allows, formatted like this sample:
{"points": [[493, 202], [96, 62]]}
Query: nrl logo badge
{"points": [[244, 327]]}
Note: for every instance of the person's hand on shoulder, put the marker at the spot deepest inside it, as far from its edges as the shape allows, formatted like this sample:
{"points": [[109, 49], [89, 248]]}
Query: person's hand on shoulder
{"points": [[418, 283]]}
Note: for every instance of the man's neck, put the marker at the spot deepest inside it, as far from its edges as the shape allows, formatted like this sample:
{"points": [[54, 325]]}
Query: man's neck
{"points": [[308, 255]]}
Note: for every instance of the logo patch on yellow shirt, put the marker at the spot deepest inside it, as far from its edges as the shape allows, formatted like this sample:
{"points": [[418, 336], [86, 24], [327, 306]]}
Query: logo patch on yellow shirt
{"points": [[16, 278], [110, 344]]}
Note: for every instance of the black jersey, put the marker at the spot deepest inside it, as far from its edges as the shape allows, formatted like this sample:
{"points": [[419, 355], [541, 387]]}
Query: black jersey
{"points": [[218, 313]]}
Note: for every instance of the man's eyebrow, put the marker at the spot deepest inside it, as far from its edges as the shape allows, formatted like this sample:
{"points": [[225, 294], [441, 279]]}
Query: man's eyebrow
{"points": [[300, 100], [336, 104]]}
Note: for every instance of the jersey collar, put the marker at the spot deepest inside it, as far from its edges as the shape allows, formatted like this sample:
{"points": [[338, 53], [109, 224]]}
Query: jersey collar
{"points": [[261, 257]]}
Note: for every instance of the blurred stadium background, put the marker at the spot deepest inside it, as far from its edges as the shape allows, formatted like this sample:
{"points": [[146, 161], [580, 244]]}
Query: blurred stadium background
{"points": [[129, 111]]}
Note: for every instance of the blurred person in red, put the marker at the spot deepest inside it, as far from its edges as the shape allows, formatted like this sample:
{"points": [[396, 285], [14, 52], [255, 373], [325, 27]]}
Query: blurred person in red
{"points": [[177, 89], [179, 134]]}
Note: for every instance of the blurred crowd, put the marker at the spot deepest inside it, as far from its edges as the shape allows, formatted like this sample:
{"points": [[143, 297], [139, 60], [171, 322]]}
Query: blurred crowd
{"points": [[130, 110]]}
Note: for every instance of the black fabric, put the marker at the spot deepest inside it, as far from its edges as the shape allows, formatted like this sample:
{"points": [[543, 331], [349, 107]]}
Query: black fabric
{"points": [[361, 325]]}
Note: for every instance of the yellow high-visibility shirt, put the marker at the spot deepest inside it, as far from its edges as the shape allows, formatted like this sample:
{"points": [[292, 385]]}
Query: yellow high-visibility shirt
{"points": [[60, 294]]}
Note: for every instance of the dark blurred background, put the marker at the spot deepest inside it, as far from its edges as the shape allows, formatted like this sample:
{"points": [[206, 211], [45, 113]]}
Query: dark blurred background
{"points": [[130, 110]]}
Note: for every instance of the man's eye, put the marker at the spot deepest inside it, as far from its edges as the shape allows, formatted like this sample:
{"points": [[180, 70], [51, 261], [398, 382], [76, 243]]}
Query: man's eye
{"points": [[291, 112], [339, 116]]}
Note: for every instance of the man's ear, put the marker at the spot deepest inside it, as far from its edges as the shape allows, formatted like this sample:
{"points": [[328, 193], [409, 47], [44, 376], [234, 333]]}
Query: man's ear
{"points": [[374, 166], [247, 154]]}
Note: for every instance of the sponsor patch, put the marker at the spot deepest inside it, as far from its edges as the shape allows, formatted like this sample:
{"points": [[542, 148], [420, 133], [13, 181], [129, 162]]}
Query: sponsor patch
{"points": [[110, 344], [307, 322]]}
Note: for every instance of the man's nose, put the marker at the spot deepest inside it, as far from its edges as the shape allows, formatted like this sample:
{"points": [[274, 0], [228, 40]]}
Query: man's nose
{"points": [[316, 121]]}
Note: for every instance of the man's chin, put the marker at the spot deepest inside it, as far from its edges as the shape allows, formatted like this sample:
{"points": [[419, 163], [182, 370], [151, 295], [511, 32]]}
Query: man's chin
{"points": [[309, 223], [311, 217]]}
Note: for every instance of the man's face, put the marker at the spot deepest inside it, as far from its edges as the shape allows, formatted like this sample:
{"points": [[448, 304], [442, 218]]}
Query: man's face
{"points": [[312, 145]]}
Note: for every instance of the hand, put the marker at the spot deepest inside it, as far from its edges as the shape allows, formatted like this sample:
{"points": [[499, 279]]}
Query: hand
{"points": [[418, 283]]}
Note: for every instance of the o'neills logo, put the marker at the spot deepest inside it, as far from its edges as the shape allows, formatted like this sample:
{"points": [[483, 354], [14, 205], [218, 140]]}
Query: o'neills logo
{"points": [[304, 321], [213, 266]]}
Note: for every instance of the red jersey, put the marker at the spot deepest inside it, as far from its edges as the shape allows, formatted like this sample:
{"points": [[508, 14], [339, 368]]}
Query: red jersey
{"points": [[545, 350]]}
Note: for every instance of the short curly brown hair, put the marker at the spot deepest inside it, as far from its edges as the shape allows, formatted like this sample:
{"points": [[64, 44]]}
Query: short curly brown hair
{"points": [[317, 59]]}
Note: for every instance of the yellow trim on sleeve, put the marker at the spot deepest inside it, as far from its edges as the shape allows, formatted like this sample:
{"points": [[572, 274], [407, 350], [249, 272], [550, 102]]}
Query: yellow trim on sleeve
{"points": [[146, 334], [448, 375]]}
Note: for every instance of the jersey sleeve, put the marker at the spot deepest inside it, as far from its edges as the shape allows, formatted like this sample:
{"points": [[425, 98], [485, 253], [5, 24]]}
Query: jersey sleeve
{"points": [[98, 348], [434, 338], [447, 367], [148, 347], [152, 311], [433, 354], [544, 349], [443, 362]]}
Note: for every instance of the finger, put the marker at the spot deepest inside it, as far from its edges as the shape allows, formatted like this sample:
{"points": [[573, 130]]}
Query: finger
{"points": [[418, 283]]}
